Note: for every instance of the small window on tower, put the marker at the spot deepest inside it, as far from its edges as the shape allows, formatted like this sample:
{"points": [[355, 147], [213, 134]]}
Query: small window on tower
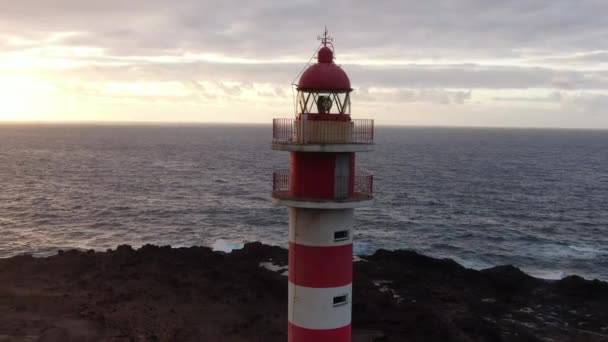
{"points": [[341, 235], [341, 300]]}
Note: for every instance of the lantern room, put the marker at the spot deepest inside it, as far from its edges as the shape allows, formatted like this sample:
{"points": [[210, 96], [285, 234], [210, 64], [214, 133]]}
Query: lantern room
{"points": [[322, 104], [324, 89]]}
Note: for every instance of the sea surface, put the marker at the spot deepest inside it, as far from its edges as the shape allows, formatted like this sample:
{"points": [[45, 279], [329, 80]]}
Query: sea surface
{"points": [[537, 199]]}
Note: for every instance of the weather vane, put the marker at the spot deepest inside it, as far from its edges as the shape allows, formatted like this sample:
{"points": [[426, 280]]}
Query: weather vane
{"points": [[325, 38]]}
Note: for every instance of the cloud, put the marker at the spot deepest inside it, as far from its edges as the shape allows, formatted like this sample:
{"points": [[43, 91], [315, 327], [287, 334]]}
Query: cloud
{"points": [[590, 104], [574, 103], [467, 76], [274, 27], [441, 53], [477, 76], [562, 32], [434, 96], [581, 58]]}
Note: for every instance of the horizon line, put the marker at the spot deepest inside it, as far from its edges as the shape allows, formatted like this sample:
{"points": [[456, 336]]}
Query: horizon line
{"points": [[232, 123]]}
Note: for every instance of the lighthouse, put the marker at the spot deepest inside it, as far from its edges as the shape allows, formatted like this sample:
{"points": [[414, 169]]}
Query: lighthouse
{"points": [[322, 188]]}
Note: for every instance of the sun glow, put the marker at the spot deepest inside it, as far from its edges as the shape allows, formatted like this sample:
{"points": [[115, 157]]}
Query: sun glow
{"points": [[23, 98]]}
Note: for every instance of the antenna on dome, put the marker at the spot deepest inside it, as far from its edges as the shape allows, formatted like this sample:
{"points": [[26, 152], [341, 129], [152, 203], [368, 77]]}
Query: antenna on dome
{"points": [[326, 38]]}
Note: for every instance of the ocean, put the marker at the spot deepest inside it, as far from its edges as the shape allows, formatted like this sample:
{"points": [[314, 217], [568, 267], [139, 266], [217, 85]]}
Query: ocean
{"points": [[537, 199]]}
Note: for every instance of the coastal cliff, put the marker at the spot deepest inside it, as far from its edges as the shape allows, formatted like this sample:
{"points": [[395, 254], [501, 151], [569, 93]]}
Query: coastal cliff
{"points": [[195, 294]]}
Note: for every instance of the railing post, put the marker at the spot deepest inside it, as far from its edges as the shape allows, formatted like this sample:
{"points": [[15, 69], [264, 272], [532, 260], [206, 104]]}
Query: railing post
{"points": [[372, 132], [304, 123]]}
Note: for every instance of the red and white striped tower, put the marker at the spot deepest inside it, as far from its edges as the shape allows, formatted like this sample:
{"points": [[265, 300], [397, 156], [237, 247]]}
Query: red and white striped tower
{"points": [[321, 188]]}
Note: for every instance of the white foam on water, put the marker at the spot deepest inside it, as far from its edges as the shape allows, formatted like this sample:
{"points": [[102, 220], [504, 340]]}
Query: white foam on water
{"points": [[591, 250], [546, 274], [363, 248], [275, 268], [226, 246]]}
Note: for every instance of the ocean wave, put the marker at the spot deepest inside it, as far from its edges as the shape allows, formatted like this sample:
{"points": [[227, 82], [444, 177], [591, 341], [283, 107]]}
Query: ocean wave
{"points": [[589, 250]]}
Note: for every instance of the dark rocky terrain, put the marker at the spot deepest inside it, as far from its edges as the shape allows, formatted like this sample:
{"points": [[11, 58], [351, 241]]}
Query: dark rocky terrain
{"points": [[195, 294]]}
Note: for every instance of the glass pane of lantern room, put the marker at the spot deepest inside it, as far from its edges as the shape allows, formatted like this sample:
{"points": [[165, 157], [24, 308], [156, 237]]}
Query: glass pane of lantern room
{"points": [[305, 102], [343, 105]]}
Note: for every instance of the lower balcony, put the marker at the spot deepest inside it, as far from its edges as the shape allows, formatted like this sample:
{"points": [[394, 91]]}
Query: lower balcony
{"points": [[348, 192]]}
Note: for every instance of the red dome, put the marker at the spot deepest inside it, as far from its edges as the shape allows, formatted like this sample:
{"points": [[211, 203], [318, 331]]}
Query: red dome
{"points": [[325, 75]]}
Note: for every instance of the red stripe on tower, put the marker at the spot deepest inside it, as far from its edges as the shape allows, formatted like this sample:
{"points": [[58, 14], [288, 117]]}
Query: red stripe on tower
{"points": [[321, 266], [297, 334]]}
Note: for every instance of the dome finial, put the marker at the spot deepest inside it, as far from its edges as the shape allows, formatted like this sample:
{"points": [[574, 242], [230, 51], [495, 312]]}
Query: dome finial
{"points": [[326, 38]]}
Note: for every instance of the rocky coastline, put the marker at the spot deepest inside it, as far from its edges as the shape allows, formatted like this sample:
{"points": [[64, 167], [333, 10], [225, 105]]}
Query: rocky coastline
{"points": [[195, 294]]}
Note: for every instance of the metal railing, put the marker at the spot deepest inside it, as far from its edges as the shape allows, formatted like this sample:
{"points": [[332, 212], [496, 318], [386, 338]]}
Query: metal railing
{"points": [[292, 131], [364, 183], [280, 181], [362, 188], [342, 188]]}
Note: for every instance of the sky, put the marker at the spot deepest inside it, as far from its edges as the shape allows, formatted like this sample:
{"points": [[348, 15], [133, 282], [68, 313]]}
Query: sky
{"points": [[519, 63]]}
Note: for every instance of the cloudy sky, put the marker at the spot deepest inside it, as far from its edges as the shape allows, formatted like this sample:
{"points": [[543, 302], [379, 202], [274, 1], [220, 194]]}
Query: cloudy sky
{"points": [[541, 63]]}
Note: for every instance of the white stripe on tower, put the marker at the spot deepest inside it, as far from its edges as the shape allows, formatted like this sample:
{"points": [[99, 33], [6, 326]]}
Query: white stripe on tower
{"points": [[316, 227], [314, 307], [320, 275]]}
